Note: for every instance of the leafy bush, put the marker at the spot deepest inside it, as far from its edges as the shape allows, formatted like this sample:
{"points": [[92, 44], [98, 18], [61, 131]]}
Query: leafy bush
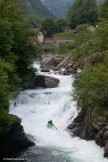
{"points": [[81, 12], [91, 88]]}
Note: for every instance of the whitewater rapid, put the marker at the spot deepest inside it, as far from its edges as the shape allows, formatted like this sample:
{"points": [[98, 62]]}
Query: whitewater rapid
{"points": [[36, 107]]}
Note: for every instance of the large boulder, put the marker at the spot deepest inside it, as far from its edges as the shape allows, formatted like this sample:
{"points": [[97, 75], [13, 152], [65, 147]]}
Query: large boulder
{"points": [[70, 69], [51, 61], [13, 137], [46, 81], [51, 82]]}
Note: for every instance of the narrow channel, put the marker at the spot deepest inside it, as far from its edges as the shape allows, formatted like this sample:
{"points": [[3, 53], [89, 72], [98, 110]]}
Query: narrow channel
{"points": [[36, 107]]}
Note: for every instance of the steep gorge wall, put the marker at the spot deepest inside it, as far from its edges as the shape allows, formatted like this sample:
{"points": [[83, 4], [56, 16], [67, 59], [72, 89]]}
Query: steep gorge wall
{"points": [[92, 125]]}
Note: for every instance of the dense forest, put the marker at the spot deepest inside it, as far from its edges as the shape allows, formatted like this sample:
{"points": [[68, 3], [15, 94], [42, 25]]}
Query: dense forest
{"points": [[17, 52]]}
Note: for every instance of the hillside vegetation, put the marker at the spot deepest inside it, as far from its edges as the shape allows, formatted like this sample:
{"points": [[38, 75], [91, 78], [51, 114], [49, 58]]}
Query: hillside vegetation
{"points": [[37, 8], [17, 52], [58, 7], [89, 51]]}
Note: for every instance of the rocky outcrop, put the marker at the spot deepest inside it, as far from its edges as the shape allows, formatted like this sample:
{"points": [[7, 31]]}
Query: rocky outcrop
{"points": [[14, 139], [70, 69], [46, 81], [92, 125], [50, 61], [57, 62], [65, 62]]}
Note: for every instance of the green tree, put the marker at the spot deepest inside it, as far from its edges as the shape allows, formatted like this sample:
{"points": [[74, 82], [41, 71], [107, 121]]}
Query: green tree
{"points": [[104, 10], [81, 12], [25, 47], [74, 13], [5, 68], [101, 36], [18, 49], [61, 25], [89, 12], [11, 9], [7, 53], [48, 27], [6, 40]]}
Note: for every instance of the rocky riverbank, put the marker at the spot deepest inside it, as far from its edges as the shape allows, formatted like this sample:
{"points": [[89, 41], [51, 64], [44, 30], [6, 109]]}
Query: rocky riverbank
{"points": [[57, 62], [12, 136], [92, 125]]}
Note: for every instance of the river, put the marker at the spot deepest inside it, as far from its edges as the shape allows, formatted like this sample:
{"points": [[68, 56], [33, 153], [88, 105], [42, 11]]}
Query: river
{"points": [[36, 107]]}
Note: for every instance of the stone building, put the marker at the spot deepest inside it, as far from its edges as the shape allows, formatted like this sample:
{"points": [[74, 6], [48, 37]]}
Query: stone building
{"points": [[40, 37]]}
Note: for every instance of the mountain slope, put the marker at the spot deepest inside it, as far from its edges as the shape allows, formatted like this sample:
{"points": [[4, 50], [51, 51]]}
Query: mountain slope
{"points": [[36, 7], [58, 7]]}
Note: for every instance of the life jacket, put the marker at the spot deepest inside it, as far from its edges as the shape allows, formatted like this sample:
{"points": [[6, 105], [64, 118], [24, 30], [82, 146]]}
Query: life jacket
{"points": [[49, 125]]}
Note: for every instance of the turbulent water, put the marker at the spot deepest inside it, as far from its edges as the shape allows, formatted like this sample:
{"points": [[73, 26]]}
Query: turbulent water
{"points": [[36, 107]]}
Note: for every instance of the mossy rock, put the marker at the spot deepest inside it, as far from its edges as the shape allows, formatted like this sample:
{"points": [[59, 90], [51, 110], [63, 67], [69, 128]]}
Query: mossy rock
{"points": [[7, 121]]}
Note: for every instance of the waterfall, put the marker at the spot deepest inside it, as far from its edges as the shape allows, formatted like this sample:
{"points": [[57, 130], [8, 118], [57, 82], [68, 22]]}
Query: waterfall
{"points": [[36, 107]]}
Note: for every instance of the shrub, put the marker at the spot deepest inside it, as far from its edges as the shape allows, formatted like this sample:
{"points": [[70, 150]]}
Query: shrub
{"points": [[91, 88]]}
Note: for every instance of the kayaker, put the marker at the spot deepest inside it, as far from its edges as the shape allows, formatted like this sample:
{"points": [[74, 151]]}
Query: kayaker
{"points": [[50, 124]]}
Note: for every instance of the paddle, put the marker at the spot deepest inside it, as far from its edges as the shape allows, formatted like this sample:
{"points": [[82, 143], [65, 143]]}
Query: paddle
{"points": [[54, 126]]}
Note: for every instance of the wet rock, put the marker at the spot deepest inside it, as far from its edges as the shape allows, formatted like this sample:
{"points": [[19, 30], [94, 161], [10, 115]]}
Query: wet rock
{"points": [[70, 69], [45, 70], [106, 149], [51, 82], [90, 125], [14, 140], [81, 126], [56, 69], [51, 61], [46, 81]]}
